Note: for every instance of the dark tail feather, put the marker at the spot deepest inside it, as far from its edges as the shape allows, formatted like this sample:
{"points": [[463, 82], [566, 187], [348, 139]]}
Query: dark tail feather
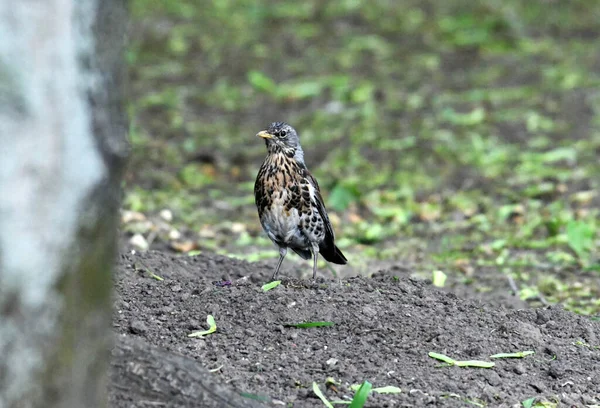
{"points": [[333, 254]]}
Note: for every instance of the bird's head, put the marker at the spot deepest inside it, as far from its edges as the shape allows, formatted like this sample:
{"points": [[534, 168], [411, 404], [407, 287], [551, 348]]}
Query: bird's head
{"points": [[281, 137]]}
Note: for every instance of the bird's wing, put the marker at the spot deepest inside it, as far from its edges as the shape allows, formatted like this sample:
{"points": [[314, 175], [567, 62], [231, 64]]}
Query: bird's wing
{"points": [[260, 195], [320, 206], [327, 248]]}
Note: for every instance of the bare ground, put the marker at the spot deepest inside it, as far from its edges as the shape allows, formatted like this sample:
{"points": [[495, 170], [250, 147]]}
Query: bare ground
{"points": [[385, 326]]}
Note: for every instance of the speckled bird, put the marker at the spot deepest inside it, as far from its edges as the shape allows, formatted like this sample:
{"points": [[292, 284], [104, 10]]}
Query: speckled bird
{"points": [[290, 206]]}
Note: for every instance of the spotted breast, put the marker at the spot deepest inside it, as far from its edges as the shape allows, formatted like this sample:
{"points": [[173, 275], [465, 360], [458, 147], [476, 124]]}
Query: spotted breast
{"points": [[286, 204]]}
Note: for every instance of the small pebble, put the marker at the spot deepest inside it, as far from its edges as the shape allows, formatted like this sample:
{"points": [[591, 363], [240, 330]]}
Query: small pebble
{"points": [[174, 235], [369, 311], [519, 369], [139, 242], [138, 327], [556, 371], [166, 215]]}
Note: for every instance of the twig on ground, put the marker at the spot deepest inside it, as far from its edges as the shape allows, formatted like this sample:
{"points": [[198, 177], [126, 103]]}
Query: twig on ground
{"points": [[515, 290], [513, 285]]}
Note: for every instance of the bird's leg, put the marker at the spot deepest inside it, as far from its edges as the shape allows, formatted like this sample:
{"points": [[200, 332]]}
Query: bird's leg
{"points": [[315, 253], [282, 253]]}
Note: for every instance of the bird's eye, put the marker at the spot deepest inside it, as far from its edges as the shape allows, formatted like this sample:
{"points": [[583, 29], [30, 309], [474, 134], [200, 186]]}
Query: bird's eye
{"points": [[282, 133]]}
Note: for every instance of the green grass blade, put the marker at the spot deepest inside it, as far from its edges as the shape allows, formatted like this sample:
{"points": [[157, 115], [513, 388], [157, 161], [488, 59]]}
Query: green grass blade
{"points": [[476, 403], [390, 389], [308, 325], [271, 285], [475, 363], [155, 276], [255, 397], [361, 395], [518, 354], [442, 357], [212, 327], [467, 363], [319, 394], [438, 279]]}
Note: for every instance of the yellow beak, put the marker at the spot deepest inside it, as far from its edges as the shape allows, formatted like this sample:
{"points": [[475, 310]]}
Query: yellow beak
{"points": [[264, 134]]}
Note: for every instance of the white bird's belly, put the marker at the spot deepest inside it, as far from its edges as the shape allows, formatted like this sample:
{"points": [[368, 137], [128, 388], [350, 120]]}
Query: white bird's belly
{"points": [[283, 226]]}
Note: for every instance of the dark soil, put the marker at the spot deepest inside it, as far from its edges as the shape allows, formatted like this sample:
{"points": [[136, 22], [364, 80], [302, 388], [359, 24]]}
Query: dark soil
{"points": [[385, 327]]}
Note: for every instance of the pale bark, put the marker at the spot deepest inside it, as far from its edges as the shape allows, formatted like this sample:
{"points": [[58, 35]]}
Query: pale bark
{"points": [[62, 152], [62, 149]]}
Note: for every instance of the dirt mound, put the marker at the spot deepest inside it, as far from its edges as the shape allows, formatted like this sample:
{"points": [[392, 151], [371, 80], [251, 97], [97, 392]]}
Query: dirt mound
{"points": [[384, 329]]}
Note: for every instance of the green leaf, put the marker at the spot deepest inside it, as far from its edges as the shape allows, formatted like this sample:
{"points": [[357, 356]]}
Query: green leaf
{"points": [[439, 279], [341, 197], [528, 292], [498, 244], [475, 117], [194, 176], [262, 82], [518, 354], [268, 286], [212, 327], [361, 395], [301, 90], [362, 92], [319, 394], [580, 237], [594, 267], [528, 403], [562, 153], [308, 325], [374, 232]]}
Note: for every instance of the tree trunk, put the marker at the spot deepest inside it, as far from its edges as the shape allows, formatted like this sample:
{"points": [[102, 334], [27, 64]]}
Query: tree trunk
{"points": [[62, 151]]}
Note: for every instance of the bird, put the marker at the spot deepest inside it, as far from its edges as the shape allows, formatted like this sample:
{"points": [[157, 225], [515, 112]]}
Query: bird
{"points": [[289, 202]]}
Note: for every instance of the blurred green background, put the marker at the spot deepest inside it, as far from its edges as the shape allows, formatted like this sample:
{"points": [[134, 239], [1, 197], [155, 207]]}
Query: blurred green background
{"points": [[453, 135]]}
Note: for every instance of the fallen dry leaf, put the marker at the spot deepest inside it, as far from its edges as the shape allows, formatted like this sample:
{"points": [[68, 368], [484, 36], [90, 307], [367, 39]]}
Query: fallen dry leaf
{"points": [[464, 266], [183, 246], [354, 218], [207, 232], [131, 216]]}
